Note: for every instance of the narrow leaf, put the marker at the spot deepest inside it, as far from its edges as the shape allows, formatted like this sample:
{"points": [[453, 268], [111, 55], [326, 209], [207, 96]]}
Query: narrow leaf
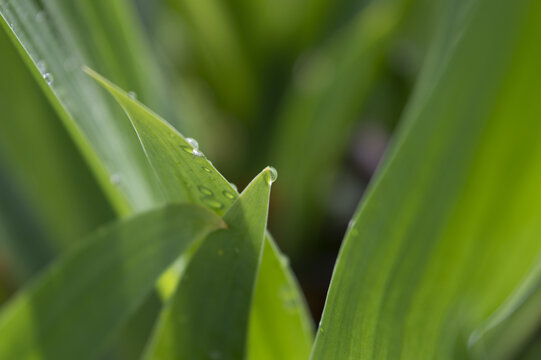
{"points": [[47, 45], [451, 226], [58, 196], [277, 306], [184, 172]]}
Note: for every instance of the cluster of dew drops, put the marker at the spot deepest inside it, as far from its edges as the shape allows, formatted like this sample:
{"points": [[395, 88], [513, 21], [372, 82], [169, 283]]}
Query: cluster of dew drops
{"points": [[195, 147], [208, 195]]}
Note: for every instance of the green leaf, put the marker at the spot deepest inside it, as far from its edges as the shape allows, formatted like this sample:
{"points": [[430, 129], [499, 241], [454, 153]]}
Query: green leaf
{"points": [[183, 171], [208, 314], [55, 41], [74, 308], [280, 327], [111, 39], [506, 331], [49, 198], [46, 42], [184, 175], [25, 246], [450, 227]]}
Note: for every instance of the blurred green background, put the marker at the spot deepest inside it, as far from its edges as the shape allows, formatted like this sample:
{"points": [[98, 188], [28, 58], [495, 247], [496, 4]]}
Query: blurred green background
{"points": [[312, 87]]}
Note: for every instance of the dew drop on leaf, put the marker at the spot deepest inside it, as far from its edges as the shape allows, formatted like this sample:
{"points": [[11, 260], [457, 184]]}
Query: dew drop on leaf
{"points": [[132, 95], [213, 203], [205, 169], [187, 149], [48, 78], [273, 174], [193, 142], [228, 195], [205, 190], [197, 153]]}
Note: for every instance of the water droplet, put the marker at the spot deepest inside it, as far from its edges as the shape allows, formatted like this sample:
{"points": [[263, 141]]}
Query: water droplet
{"points": [[273, 174], [41, 66], [234, 187], [205, 190], [215, 204], [132, 95], [228, 195], [115, 179], [193, 142], [188, 149], [48, 78], [284, 260], [197, 153], [206, 169]]}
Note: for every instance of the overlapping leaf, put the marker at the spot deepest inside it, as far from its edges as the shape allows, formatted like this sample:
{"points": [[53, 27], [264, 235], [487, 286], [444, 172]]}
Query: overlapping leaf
{"points": [[217, 286], [49, 197], [272, 335], [48, 46], [185, 174], [74, 308]]}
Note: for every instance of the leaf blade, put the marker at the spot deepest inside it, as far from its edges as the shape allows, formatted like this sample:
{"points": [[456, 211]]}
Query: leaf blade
{"points": [[418, 268], [167, 146], [217, 286], [99, 284]]}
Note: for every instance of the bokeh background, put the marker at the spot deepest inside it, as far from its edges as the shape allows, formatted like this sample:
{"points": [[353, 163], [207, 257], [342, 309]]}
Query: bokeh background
{"points": [[314, 88]]}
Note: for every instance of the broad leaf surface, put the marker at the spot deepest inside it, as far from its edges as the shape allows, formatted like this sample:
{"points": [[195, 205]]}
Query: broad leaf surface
{"points": [[450, 228], [74, 308]]}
